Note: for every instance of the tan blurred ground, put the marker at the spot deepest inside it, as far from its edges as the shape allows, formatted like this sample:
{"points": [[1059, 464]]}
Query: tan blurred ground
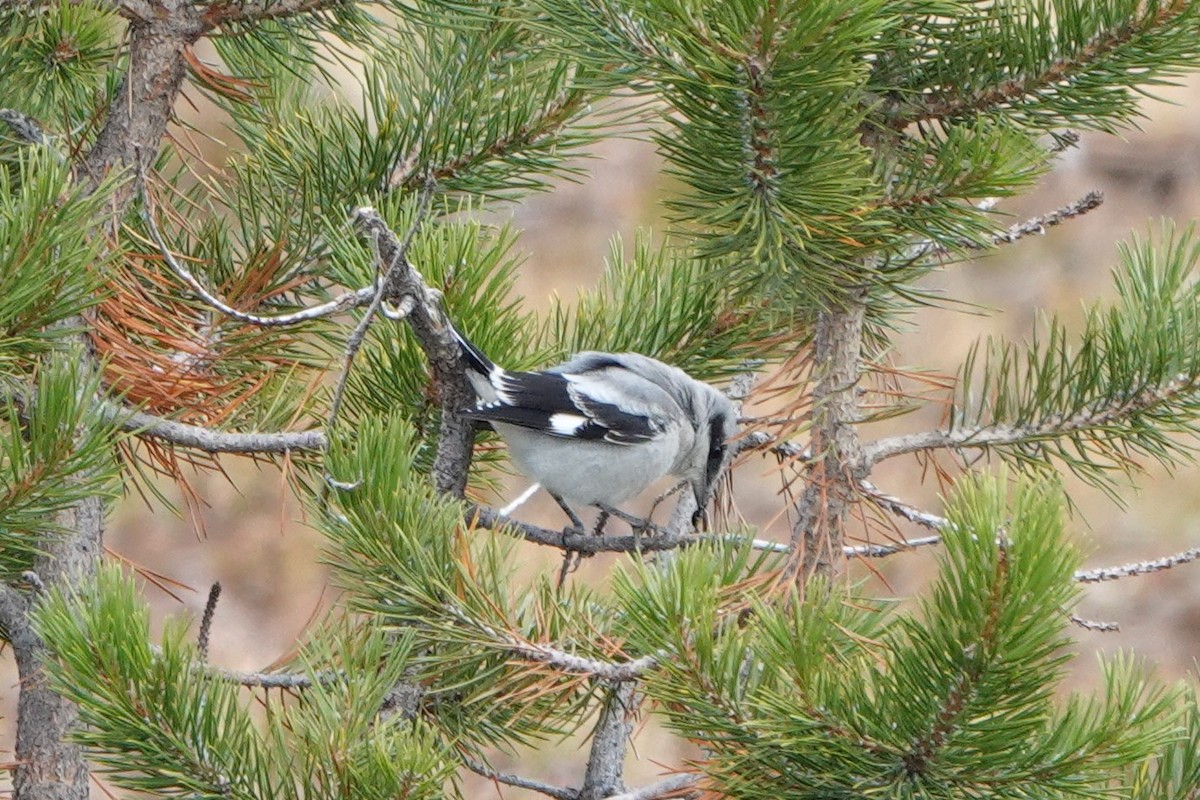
{"points": [[266, 558]]}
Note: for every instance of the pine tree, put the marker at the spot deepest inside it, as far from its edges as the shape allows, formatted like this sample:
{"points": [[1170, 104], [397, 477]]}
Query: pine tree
{"points": [[829, 155]]}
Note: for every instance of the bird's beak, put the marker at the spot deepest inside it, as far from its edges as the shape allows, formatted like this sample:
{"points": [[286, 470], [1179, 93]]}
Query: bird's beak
{"points": [[703, 494]]}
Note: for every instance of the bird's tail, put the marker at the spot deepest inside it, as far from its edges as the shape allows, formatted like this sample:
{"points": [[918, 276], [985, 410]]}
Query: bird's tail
{"points": [[476, 360]]}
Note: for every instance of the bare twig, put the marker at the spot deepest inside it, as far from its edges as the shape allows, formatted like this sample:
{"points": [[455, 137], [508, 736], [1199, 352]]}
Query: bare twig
{"points": [[935, 522], [208, 439], [210, 608], [616, 671], [256, 680], [342, 302], [24, 126], [883, 550], [588, 544], [927, 248], [1094, 625], [1137, 567], [761, 440], [559, 792], [1038, 225], [765, 545], [901, 509], [667, 787], [267, 680]]}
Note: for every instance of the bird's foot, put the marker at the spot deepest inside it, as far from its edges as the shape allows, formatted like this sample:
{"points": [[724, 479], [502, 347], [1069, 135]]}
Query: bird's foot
{"points": [[571, 562], [639, 525]]}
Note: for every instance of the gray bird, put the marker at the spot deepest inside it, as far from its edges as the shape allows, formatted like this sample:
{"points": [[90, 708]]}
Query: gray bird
{"points": [[602, 427]]}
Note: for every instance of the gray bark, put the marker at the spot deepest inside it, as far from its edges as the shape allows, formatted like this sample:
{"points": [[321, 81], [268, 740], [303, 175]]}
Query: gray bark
{"points": [[50, 767], [837, 456], [606, 761]]}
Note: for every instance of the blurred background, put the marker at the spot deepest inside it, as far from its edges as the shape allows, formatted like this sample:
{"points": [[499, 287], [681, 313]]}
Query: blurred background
{"points": [[252, 535]]}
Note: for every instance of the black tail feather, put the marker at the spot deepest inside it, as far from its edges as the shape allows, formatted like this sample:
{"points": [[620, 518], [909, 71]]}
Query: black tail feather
{"points": [[474, 357]]}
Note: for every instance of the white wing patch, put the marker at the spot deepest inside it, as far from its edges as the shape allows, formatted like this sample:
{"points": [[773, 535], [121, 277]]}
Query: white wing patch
{"points": [[567, 424]]}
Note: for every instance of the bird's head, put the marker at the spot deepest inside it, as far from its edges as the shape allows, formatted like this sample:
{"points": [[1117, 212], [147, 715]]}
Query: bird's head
{"points": [[716, 427]]}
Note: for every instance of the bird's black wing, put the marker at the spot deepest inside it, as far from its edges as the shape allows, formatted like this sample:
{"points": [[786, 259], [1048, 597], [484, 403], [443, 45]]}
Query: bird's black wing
{"points": [[559, 404]]}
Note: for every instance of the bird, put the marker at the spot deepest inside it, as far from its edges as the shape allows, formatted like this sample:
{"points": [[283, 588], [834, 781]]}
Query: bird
{"points": [[600, 428]]}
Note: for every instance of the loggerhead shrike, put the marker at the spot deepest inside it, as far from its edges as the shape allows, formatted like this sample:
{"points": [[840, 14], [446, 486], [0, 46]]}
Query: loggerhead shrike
{"points": [[602, 427]]}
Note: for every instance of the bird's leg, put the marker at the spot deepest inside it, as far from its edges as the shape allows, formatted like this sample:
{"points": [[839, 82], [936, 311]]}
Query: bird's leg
{"points": [[601, 521], [638, 524], [576, 522]]}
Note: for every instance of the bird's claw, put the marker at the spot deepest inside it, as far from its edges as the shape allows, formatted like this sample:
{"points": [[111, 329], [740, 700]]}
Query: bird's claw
{"points": [[640, 525]]}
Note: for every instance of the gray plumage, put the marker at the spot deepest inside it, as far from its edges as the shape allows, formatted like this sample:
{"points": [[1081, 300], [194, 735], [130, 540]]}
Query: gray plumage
{"points": [[600, 428]]}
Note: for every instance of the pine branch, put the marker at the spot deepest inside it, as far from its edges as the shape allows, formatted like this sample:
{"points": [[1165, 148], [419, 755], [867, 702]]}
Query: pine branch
{"points": [[397, 266], [961, 693], [947, 105], [989, 436], [427, 321], [554, 116], [550, 790]]}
